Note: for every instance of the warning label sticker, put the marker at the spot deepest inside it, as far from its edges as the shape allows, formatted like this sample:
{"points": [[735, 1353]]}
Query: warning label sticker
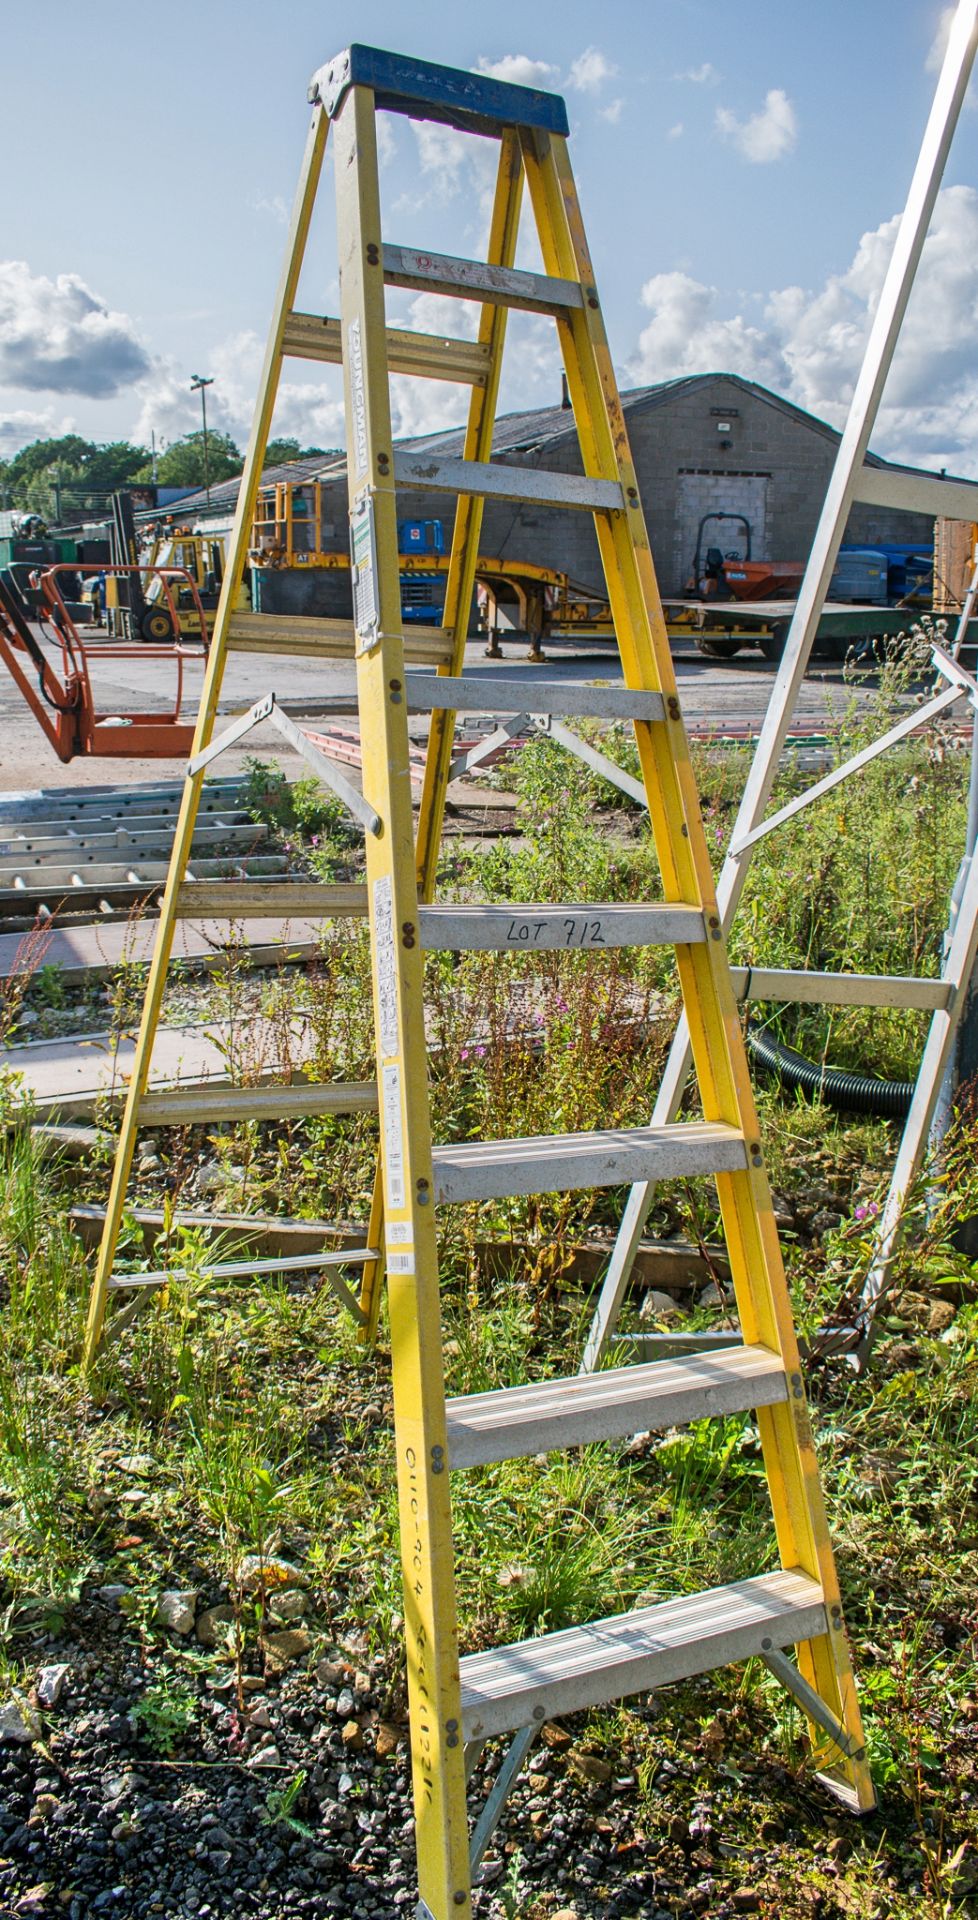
{"points": [[393, 1133], [363, 562], [386, 963]]}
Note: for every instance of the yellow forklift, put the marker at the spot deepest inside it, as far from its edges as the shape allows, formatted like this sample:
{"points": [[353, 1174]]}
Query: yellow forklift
{"points": [[137, 606]]}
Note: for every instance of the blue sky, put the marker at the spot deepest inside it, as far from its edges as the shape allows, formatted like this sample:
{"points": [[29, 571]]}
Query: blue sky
{"points": [[739, 168]]}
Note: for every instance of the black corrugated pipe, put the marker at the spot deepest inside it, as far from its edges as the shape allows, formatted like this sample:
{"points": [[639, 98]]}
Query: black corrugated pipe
{"points": [[851, 1092]]}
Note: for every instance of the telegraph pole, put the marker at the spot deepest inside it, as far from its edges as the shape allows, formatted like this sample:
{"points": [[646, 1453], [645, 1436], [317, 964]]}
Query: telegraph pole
{"points": [[198, 384]]}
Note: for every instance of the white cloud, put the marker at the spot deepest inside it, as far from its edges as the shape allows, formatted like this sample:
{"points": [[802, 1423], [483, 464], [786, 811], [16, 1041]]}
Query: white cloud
{"points": [[676, 132], [938, 46], [520, 70], [19, 426], [452, 161], [434, 313], [443, 153], [808, 344], [57, 336], [687, 335], [590, 71], [311, 410], [704, 76], [275, 207], [454, 166], [612, 111], [387, 148], [769, 134]]}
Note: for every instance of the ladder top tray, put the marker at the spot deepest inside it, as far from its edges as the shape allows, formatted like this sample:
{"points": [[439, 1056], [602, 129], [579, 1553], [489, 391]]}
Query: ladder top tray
{"points": [[473, 102]]}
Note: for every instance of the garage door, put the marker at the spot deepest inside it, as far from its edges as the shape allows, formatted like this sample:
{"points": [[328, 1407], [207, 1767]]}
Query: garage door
{"points": [[699, 493]]}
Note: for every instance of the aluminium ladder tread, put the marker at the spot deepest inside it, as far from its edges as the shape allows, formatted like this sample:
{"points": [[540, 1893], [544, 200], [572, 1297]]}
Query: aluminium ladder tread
{"points": [[325, 638], [564, 1162], [564, 700], [491, 285], [429, 356], [574, 1411], [204, 1101], [242, 1269], [535, 486], [572, 926], [277, 899], [560, 1673]]}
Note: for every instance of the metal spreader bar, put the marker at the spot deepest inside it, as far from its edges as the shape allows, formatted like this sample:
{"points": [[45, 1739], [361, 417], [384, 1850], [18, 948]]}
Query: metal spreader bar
{"points": [[268, 712], [457, 1704]]}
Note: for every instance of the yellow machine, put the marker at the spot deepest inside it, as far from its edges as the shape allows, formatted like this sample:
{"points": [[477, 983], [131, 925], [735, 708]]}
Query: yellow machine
{"points": [[513, 595], [458, 1704], [201, 555]]}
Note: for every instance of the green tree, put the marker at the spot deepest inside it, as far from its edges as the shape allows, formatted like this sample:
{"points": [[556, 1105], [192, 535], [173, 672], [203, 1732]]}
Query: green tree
{"points": [[278, 452], [182, 465], [117, 464], [69, 475]]}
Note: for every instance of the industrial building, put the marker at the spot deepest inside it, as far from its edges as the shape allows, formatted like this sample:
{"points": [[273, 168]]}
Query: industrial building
{"points": [[709, 443]]}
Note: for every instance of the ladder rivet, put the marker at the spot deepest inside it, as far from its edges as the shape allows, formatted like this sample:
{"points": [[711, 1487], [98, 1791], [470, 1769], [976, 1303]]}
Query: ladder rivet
{"points": [[373, 254], [766, 1646], [538, 1713], [714, 922], [592, 301], [674, 714], [451, 1726], [459, 1898], [383, 463], [408, 931]]}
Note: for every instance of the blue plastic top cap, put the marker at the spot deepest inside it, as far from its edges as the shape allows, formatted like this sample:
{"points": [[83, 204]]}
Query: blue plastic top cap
{"points": [[473, 102]]}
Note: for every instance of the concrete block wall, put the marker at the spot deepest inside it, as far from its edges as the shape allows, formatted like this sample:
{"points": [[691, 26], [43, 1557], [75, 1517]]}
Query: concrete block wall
{"points": [[728, 435]]}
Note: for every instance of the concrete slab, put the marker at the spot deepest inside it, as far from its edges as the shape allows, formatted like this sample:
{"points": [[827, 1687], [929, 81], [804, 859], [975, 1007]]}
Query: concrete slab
{"points": [[94, 952], [74, 1075]]}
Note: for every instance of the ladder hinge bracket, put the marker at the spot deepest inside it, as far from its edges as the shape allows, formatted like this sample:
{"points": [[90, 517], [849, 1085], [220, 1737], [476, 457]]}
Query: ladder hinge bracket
{"points": [[330, 83]]}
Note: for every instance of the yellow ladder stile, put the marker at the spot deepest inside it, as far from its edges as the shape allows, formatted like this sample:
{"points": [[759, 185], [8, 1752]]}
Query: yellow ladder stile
{"points": [[719, 1057], [457, 1704], [302, 211], [459, 588], [430, 1629]]}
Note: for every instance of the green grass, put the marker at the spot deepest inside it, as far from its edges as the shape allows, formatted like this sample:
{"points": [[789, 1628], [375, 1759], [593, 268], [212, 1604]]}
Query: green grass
{"points": [[263, 1428]]}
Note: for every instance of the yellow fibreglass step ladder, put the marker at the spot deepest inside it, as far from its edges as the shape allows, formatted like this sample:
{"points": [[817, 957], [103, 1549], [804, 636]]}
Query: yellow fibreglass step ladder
{"points": [[456, 1705]]}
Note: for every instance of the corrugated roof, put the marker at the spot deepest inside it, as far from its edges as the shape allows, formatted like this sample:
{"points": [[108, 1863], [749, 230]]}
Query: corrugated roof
{"points": [[225, 492], [528, 430]]}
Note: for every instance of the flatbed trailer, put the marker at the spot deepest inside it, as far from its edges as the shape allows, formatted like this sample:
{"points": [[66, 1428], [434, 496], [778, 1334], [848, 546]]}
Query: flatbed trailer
{"points": [[723, 628], [733, 624]]}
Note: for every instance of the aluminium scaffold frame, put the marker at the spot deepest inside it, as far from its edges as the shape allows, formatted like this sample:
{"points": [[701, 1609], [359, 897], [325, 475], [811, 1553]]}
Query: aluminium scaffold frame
{"points": [[851, 481]]}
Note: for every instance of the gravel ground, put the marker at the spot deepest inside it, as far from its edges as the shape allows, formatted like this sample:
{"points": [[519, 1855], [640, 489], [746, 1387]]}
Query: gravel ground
{"points": [[95, 1820]]}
